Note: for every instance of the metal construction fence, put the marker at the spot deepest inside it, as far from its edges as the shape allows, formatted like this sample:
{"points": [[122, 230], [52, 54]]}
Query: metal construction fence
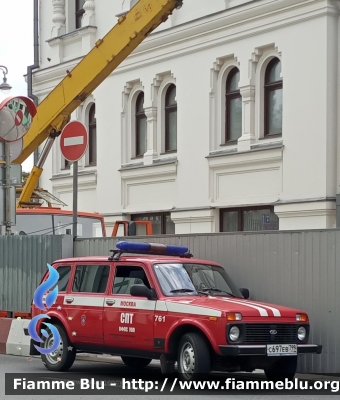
{"points": [[23, 261], [298, 269]]}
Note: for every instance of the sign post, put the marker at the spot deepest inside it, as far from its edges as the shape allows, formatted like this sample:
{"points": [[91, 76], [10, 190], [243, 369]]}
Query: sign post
{"points": [[73, 145], [8, 189]]}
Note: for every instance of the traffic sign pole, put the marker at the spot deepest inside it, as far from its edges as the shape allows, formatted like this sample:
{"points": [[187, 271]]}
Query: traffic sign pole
{"points": [[75, 201], [8, 189]]}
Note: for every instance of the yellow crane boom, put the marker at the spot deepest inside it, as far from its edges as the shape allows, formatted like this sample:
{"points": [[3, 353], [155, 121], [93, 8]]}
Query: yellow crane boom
{"points": [[54, 111]]}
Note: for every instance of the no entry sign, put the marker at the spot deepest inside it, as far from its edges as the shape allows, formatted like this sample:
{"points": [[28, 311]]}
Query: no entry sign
{"points": [[73, 141]]}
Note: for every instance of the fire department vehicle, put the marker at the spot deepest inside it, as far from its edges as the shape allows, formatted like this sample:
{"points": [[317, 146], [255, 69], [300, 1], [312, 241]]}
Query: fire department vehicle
{"points": [[153, 301]]}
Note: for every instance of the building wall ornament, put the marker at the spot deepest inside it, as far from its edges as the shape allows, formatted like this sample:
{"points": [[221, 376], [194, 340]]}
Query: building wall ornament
{"points": [[89, 15], [59, 18]]}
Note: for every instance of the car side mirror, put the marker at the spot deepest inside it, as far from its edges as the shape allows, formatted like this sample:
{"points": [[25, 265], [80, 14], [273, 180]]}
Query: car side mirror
{"points": [[141, 291], [244, 292]]}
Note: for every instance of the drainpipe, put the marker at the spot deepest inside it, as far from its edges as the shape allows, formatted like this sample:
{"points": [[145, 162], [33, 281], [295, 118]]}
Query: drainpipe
{"points": [[36, 62]]}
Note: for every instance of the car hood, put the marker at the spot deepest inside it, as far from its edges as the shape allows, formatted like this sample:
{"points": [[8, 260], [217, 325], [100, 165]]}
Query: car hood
{"points": [[248, 308]]}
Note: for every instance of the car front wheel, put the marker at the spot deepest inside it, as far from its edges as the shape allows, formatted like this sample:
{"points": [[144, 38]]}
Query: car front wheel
{"points": [[63, 357], [193, 356]]}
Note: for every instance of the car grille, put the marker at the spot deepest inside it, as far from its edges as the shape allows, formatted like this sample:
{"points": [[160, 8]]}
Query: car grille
{"points": [[260, 333]]}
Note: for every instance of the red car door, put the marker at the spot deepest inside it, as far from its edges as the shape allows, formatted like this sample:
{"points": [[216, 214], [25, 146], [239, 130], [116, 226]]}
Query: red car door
{"points": [[129, 320], [85, 300]]}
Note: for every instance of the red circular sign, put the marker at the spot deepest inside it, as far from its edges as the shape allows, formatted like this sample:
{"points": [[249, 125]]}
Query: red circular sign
{"points": [[18, 118], [73, 141]]}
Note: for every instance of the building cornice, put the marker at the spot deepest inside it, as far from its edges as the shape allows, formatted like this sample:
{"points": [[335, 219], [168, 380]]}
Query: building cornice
{"points": [[210, 31]]}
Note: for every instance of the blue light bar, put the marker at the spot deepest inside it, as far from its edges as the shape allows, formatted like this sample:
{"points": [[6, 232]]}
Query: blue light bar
{"points": [[152, 248]]}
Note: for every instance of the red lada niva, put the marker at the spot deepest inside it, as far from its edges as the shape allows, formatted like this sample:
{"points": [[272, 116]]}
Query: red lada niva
{"points": [[152, 301]]}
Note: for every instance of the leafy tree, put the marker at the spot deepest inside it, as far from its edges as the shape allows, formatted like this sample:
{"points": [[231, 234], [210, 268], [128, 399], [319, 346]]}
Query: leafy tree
{"points": [[25, 176]]}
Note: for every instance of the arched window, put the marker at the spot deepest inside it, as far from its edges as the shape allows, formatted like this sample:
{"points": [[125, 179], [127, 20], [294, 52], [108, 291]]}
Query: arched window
{"points": [[273, 99], [171, 119], [92, 136], [140, 126], [79, 12], [233, 103]]}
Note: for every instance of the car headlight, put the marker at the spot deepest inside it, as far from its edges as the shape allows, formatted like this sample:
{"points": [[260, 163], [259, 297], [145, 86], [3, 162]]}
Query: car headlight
{"points": [[234, 333], [301, 333]]}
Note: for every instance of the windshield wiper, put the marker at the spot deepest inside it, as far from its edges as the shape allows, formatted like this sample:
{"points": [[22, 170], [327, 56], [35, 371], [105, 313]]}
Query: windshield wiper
{"points": [[184, 290], [212, 289]]}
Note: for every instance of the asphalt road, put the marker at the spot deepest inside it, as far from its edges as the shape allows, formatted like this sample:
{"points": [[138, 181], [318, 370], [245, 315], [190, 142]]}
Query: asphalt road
{"points": [[112, 370]]}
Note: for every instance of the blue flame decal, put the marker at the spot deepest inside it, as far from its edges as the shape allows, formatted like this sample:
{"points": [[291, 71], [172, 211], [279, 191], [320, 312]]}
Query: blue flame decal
{"points": [[32, 330], [49, 300], [44, 287]]}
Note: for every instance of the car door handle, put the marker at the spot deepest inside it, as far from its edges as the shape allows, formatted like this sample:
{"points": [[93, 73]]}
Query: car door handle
{"points": [[110, 302], [69, 300]]}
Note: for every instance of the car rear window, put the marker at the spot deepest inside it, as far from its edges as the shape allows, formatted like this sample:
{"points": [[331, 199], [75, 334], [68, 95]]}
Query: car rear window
{"points": [[91, 278]]}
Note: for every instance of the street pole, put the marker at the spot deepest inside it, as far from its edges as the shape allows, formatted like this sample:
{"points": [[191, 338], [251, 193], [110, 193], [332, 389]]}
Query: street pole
{"points": [[8, 188], [5, 87], [75, 199]]}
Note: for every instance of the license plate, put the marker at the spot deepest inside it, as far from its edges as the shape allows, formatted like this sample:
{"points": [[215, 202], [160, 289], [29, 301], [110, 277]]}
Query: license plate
{"points": [[281, 350]]}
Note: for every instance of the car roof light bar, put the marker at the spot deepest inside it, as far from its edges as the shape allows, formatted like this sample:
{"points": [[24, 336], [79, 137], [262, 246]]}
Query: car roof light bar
{"points": [[150, 249]]}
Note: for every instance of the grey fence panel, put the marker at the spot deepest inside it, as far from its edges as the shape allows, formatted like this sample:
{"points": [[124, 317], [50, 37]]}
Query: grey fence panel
{"points": [[299, 269], [23, 261]]}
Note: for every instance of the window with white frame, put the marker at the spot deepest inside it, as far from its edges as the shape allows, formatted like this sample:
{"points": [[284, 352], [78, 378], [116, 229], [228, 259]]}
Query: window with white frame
{"points": [[273, 87], [268, 81], [233, 107], [92, 130], [225, 122], [170, 119], [257, 218], [140, 126]]}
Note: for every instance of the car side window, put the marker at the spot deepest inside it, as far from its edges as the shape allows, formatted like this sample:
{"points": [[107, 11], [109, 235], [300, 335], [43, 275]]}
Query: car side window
{"points": [[91, 278], [127, 276], [64, 272]]}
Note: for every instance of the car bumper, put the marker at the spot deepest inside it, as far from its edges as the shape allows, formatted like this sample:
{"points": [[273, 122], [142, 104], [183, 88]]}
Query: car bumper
{"points": [[261, 350]]}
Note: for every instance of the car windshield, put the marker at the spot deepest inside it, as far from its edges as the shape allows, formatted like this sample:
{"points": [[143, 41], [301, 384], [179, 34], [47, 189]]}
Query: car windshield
{"points": [[194, 279]]}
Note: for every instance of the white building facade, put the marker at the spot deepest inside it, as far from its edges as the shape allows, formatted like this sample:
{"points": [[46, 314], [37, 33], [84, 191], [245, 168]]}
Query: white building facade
{"points": [[224, 119]]}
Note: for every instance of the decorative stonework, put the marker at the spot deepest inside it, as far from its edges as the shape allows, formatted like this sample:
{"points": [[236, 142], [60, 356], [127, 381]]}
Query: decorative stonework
{"points": [[237, 179], [59, 18], [218, 76], [159, 87], [151, 153], [248, 118], [129, 95], [89, 16], [155, 185], [257, 67]]}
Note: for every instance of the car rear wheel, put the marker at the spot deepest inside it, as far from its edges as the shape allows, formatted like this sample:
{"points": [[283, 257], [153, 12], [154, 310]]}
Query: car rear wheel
{"points": [[193, 356], [63, 357], [282, 369], [136, 362]]}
